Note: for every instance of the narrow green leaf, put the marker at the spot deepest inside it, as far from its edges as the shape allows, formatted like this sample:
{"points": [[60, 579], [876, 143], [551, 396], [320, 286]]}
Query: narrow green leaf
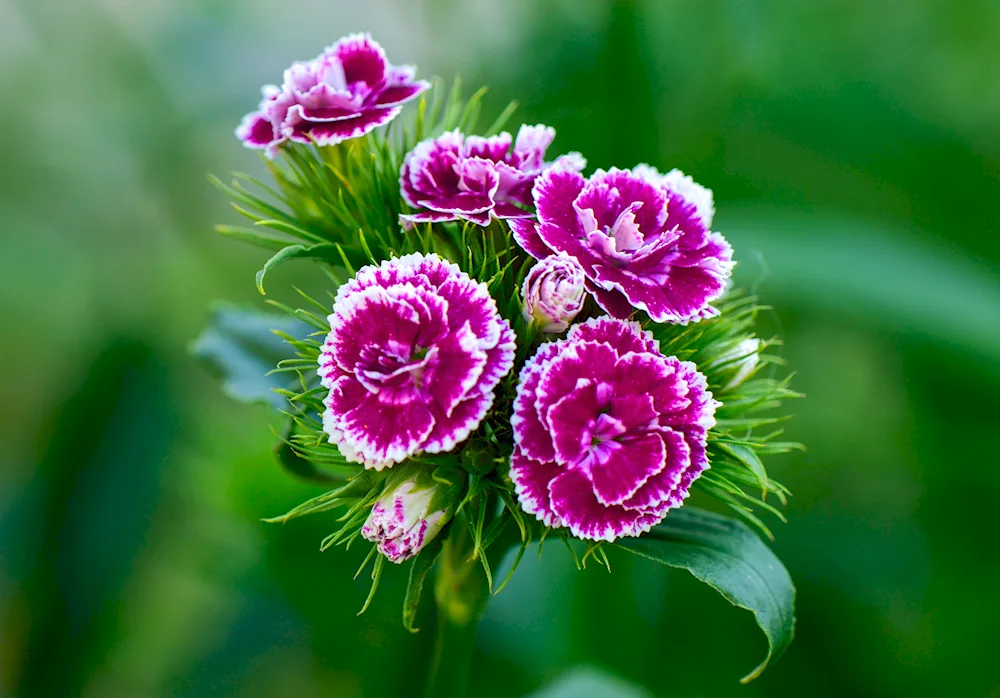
{"points": [[258, 238], [748, 457], [419, 568], [727, 556], [325, 251]]}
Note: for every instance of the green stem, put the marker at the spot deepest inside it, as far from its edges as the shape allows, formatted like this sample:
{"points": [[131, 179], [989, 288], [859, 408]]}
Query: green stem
{"points": [[461, 592]]}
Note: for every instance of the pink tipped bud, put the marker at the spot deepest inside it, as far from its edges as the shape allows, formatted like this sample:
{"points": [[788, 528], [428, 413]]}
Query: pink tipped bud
{"points": [[406, 518], [553, 293]]}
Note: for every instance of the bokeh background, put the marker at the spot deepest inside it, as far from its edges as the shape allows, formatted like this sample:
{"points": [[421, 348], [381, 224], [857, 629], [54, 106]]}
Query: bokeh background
{"points": [[854, 150]]}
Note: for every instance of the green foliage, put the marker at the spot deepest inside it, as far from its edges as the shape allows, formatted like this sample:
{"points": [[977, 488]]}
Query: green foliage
{"points": [[419, 569], [726, 555]]}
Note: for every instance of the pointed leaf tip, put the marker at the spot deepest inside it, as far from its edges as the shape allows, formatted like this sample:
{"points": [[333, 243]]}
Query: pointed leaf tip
{"points": [[726, 555]]}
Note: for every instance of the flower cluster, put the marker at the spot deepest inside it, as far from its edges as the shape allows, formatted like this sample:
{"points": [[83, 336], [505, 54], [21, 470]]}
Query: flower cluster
{"points": [[609, 434], [519, 344], [343, 93]]}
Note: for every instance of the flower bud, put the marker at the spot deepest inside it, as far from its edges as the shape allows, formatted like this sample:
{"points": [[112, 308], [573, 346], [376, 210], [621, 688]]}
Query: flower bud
{"points": [[553, 293], [739, 362], [410, 513]]}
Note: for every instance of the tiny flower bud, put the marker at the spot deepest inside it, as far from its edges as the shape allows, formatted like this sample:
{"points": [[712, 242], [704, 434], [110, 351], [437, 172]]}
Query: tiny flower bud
{"points": [[739, 362], [553, 293], [409, 515]]}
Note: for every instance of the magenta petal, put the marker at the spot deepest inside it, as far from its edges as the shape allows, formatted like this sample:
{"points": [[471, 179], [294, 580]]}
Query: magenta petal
{"points": [[362, 59], [408, 220], [695, 439], [256, 131], [623, 336], [386, 434], [628, 467], [502, 209], [333, 132], [661, 486], [530, 435], [612, 301], [525, 232], [652, 214], [554, 193], [574, 502], [327, 113], [578, 360], [462, 204], [571, 420], [531, 483], [454, 370], [494, 148], [392, 96], [452, 429]]}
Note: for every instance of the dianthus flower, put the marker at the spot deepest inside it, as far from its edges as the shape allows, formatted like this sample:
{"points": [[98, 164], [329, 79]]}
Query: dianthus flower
{"points": [[415, 350], [475, 179], [609, 434], [345, 92], [642, 238]]}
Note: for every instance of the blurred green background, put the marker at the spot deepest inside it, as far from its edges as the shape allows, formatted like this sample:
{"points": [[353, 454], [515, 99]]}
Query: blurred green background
{"points": [[854, 150]]}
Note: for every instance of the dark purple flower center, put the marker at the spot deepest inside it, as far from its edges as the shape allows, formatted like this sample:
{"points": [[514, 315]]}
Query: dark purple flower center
{"points": [[393, 370]]}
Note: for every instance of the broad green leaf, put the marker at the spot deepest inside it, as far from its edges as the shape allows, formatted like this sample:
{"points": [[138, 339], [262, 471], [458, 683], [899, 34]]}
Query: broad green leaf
{"points": [[242, 347], [726, 555], [419, 568], [325, 251]]}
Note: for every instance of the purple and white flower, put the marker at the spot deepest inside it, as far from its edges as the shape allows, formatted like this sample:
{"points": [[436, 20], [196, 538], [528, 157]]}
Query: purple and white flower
{"points": [[407, 517], [609, 434], [643, 239], [553, 293], [476, 179], [345, 92], [414, 353]]}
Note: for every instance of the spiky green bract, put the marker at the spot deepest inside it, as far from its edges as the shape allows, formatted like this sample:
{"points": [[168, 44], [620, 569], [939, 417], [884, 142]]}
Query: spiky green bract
{"points": [[747, 423], [340, 204]]}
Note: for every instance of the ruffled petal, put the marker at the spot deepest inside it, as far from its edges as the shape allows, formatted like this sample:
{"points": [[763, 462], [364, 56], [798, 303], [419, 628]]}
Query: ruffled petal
{"points": [[574, 502], [663, 485], [531, 483], [525, 232], [623, 336], [362, 59], [627, 468], [333, 132]]}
